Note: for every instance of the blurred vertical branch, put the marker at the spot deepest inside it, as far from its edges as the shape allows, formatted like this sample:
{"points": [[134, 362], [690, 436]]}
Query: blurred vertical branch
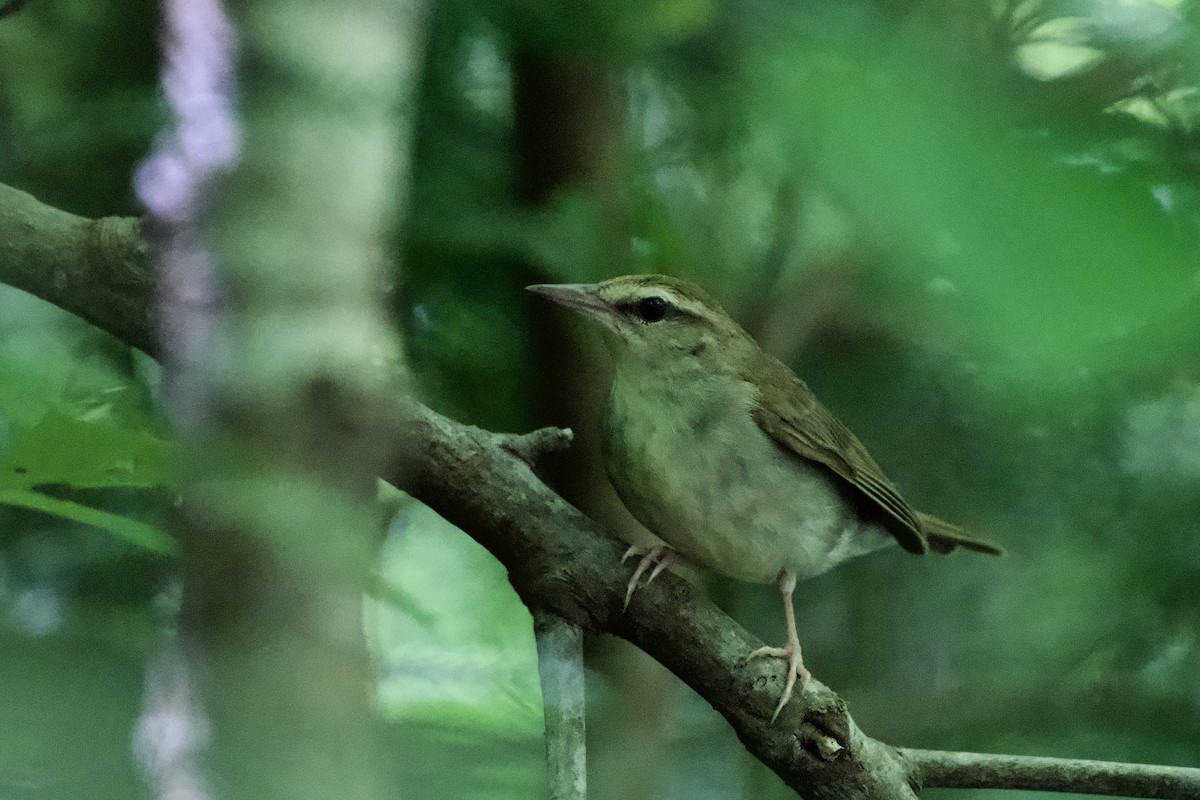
{"points": [[560, 669], [569, 121], [275, 335]]}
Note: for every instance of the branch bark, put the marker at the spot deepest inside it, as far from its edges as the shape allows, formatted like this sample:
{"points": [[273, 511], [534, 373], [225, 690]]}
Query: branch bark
{"points": [[561, 561]]}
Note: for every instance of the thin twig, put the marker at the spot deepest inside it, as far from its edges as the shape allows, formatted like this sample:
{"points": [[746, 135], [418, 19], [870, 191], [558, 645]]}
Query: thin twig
{"points": [[935, 768]]}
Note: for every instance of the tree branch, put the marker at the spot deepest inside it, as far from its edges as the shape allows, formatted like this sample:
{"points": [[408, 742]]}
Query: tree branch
{"points": [[98, 269], [1033, 773], [560, 668], [563, 562]]}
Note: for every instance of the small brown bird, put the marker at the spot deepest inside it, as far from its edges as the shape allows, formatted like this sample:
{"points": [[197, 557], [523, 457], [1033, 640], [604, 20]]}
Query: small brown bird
{"points": [[720, 450]]}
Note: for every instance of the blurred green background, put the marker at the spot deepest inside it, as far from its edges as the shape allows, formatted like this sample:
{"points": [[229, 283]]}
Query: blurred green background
{"points": [[972, 227]]}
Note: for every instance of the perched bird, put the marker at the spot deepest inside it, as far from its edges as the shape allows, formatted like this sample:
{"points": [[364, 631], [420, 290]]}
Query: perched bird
{"points": [[720, 450]]}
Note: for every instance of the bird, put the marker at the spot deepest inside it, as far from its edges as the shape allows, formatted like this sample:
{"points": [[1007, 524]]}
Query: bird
{"points": [[727, 456]]}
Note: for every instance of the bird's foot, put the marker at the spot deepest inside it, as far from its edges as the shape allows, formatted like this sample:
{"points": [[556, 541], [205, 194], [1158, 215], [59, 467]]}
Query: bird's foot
{"points": [[796, 671], [659, 557]]}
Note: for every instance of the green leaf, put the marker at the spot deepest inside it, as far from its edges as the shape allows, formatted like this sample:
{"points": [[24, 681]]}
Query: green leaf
{"points": [[88, 455], [137, 533], [63, 450], [1049, 256]]}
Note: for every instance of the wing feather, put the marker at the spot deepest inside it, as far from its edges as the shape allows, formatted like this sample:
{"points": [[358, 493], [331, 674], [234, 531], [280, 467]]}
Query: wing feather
{"points": [[788, 412]]}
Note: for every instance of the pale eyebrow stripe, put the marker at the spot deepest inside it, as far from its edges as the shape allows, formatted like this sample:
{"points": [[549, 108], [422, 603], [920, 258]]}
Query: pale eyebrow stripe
{"points": [[693, 307]]}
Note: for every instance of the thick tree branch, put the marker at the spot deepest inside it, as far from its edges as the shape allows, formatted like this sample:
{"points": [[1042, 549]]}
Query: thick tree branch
{"points": [[561, 561], [98, 269]]}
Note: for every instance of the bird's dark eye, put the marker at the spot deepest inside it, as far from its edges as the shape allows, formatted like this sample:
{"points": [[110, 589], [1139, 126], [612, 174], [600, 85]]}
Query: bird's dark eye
{"points": [[652, 309]]}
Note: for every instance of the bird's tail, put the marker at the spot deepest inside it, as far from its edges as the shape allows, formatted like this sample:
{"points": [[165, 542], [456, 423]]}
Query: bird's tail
{"points": [[944, 537]]}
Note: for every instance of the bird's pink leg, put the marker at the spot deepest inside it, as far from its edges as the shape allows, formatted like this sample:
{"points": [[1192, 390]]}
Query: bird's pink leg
{"points": [[659, 556], [791, 651]]}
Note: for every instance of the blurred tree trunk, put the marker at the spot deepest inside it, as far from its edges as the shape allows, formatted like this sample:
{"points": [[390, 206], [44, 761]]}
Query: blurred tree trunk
{"points": [[570, 122], [274, 356]]}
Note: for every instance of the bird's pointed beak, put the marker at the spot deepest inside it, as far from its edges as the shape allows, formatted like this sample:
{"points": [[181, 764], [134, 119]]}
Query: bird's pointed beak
{"points": [[583, 297]]}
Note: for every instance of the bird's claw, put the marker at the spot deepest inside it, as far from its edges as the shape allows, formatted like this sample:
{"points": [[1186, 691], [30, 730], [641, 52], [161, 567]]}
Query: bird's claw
{"points": [[796, 671], [659, 556]]}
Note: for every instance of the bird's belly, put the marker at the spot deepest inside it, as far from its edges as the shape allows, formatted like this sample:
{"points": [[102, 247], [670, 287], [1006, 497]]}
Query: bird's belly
{"points": [[724, 494]]}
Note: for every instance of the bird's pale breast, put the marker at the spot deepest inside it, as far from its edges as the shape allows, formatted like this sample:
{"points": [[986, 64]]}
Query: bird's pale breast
{"points": [[692, 465]]}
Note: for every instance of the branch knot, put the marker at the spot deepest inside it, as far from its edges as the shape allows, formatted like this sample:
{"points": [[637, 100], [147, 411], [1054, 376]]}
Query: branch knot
{"points": [[529, 447]]}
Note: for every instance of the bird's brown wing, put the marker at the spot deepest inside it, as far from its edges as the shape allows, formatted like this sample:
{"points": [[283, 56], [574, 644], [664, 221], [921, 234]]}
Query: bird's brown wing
{"points": [[789, 413], [945, 536]]}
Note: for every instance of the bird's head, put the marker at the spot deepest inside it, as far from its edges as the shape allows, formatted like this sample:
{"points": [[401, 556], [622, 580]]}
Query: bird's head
{"points": [[653, 320]]}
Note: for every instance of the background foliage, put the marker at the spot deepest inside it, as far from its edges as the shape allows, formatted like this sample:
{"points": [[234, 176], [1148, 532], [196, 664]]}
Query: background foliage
{"points": [[971, 226]]}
